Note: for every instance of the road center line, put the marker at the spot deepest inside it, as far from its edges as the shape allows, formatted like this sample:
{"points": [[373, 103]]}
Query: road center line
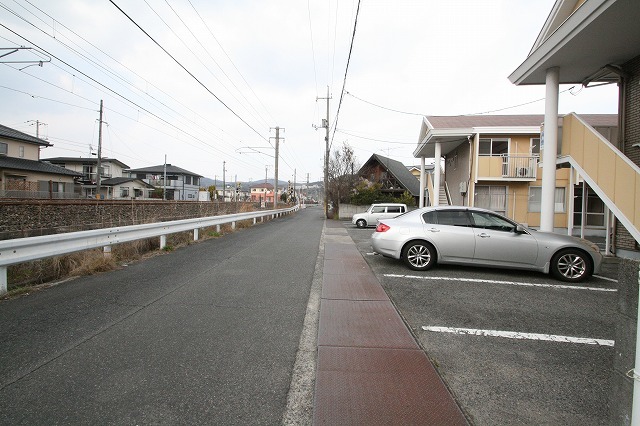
{"points": [[476, 280], [521, 336]]}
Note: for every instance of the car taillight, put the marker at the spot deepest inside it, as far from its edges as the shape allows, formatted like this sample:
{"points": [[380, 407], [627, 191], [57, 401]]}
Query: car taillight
{"points": [[382, 227]]}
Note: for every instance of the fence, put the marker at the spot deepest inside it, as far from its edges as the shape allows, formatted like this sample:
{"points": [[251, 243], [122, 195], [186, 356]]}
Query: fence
{"points": [[33, 248]]}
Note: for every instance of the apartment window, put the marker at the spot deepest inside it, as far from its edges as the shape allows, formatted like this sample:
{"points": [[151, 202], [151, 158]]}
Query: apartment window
{"points": [[124, 191], [535, 146], [535, 199], [493, 147], [21, 151], [57, 186], [187, 180], [491, 197], [4, 148]]}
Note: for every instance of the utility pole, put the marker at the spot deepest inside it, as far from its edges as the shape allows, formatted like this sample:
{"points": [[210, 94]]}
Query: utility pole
{"points": [[275, 181], [164, 180], [38, 123], [224, 181], [294, 183], [325, 124], [99, 165]]}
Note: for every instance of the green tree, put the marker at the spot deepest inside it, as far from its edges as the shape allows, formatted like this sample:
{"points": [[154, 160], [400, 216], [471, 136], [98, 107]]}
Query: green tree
{"points": [[212, 192]]}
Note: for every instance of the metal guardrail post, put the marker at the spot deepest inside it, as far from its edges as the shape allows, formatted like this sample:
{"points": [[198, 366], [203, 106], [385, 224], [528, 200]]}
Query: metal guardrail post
{"points": [[3, 280]]}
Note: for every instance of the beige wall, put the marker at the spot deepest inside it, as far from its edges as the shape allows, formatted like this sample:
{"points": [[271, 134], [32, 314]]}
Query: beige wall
{"points": [[31, 151]]}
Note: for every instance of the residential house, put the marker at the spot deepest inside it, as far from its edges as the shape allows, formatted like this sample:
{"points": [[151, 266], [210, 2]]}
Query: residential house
{"points": [[180, 184], [126, 188], [491, 161], [24, 175], [572, 49], [262, 193], [393, 176], [109, 168]]}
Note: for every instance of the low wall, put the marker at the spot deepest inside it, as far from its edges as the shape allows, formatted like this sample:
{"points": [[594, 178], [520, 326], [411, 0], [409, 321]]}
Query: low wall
{"points": [[348, 210], [28, 218], [625, 347]]}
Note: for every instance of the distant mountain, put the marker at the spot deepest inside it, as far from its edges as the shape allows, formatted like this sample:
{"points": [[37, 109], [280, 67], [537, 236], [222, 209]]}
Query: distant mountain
{"points": [[206, 182]]}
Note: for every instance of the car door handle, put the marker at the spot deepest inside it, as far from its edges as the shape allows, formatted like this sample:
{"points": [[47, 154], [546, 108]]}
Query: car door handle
{"points": [[434, 230], [483, 235]]}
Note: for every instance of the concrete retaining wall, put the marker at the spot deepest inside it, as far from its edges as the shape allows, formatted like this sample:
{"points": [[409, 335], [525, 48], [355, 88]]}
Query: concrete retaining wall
{"points": [[20, 219], [625, 347]]}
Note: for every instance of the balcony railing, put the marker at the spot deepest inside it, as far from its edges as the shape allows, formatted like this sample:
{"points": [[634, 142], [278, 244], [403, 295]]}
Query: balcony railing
{"points": [[519, 166]]}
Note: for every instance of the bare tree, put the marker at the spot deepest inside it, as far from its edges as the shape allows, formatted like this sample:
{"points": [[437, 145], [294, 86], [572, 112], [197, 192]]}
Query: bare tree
{"points": [[342, 176]]}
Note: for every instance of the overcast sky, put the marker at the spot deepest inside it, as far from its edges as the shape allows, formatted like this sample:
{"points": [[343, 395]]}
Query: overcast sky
{"points": [[211, 79]]}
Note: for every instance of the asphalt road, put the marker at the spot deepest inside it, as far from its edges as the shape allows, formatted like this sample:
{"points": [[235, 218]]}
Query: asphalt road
{"points": [[207, 334], [499, 380]]}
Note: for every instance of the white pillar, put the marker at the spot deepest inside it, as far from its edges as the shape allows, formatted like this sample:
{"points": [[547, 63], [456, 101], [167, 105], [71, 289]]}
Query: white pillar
{"points": [[550, 138], [570, 209], [422, 182], [163, 241], [196, 234], [436, 175]]}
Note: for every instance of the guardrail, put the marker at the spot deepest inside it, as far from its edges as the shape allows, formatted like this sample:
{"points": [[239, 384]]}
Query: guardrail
{"points": [[22, 250]]}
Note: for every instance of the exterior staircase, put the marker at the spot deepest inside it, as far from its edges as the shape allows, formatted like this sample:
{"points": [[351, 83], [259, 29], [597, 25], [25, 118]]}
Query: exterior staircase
{"points": [[613, 177]]}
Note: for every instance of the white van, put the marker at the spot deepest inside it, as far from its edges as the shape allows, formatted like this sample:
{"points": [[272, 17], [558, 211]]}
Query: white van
{"points": [[378, 211]]}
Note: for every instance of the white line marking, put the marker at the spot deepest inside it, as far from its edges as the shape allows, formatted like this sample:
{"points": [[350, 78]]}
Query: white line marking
{"points": [[476, 280], [521, 336], [605, 278]]}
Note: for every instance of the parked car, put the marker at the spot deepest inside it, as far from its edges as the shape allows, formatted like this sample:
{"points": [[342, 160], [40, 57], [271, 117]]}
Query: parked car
{"points": [[473, 236], [376, 212]]}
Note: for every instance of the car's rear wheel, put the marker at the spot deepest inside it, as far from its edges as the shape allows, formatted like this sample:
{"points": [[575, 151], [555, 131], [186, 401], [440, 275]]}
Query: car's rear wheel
{"points": [[419, 255], [571, 265], [361, 223]]}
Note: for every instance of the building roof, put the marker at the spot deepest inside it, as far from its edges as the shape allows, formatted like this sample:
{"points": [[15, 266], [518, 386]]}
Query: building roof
{"points": [[262, 185], [121, 180], [398, 170], [159, 170], [451, 131], [84, 160], [35, 166], [9, 133], [572, 40]]}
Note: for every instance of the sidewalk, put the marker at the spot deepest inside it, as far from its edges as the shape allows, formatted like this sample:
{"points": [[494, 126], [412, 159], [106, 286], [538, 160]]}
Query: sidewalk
{"points": [[370, 369]]}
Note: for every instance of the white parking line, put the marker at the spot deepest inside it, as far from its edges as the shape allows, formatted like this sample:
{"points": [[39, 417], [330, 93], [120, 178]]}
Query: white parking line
{"points": [[476, 280], [521, 336]]}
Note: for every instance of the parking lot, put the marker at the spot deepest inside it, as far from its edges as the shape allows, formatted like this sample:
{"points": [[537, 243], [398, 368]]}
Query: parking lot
{"points": [[514, 347]]}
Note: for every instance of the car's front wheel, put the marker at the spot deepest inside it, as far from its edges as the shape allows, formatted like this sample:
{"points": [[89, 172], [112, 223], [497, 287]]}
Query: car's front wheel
{"points": [[419, 255], [361, 223], [571, 265]]}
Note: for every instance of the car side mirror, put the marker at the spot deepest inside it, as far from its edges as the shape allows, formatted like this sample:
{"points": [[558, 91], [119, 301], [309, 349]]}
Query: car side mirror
{"points": [[520, 229]]}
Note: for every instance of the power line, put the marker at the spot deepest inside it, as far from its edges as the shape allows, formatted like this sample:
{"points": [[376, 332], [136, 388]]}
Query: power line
{"points": [[459, 115], [353, 36], [187, 71], [232, 63], [102, 65]]}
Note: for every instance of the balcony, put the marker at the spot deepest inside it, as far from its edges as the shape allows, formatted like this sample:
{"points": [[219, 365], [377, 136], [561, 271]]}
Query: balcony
{"points": [[516, 167]]}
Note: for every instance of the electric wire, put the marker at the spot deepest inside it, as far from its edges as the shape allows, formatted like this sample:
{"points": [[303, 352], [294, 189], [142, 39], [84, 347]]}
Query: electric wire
{"points": [[218, 65], [194, 54], [346, 71], [187, 71], [122, 65], [231, 61]]}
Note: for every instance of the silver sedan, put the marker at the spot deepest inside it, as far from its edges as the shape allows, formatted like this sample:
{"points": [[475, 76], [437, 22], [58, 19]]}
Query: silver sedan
{"points": [[473, 236]]}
